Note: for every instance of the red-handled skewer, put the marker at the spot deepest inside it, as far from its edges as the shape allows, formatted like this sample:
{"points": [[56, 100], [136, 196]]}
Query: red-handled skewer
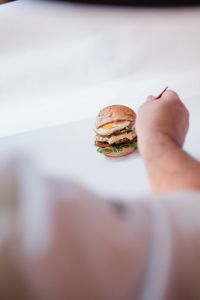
{"points": [[160, 95]]}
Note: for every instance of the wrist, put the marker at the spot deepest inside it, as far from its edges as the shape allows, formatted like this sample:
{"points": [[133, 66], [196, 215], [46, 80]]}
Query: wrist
{"points": [[156, 146]]}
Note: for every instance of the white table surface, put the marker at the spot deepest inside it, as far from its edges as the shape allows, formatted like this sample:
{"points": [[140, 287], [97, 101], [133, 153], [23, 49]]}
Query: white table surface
{"points": [[58, 153], [60, 63]]}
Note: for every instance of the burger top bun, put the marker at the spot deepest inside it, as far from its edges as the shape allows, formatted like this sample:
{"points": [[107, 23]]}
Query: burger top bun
{"points": [[114, 113], [123, 152]]}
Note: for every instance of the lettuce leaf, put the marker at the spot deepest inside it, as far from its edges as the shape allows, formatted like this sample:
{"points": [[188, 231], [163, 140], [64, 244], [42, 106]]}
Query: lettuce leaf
{"points": [[116, 148]]}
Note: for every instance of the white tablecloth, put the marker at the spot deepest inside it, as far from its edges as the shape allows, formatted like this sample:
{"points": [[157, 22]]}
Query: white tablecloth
{"points": [[60, 63]]}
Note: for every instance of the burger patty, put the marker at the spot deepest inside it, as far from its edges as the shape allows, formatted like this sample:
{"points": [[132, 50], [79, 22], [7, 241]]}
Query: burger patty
{"points": [[102, 145], [123, 142], [116, 139]]}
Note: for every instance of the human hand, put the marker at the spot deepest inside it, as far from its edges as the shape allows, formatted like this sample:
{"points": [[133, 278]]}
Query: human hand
{"points": [[161, 120]]}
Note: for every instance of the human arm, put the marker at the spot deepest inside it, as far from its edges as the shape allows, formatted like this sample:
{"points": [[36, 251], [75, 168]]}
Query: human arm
{"points": [[161, 127], [63, 242]]}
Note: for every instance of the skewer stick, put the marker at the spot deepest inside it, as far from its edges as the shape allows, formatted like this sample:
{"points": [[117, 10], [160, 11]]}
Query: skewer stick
{"points": [[160, 95]]}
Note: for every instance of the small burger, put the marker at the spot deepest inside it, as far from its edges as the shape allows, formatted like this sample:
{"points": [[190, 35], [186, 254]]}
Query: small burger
{"points": [[115, 131]]}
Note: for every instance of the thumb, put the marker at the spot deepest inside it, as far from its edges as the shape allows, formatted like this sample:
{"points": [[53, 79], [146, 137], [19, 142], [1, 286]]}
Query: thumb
{"points": [[150, 98]]}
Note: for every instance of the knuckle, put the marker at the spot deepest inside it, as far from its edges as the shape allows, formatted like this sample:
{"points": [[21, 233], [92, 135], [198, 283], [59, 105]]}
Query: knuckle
{"points": [[172, 93]]}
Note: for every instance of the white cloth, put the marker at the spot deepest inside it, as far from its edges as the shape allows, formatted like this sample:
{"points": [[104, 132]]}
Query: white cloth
{"points": [[64, 243]]}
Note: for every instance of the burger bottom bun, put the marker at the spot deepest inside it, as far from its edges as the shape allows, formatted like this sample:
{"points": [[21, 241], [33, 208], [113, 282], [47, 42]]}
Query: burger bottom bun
{"points": [[123, 152]]}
